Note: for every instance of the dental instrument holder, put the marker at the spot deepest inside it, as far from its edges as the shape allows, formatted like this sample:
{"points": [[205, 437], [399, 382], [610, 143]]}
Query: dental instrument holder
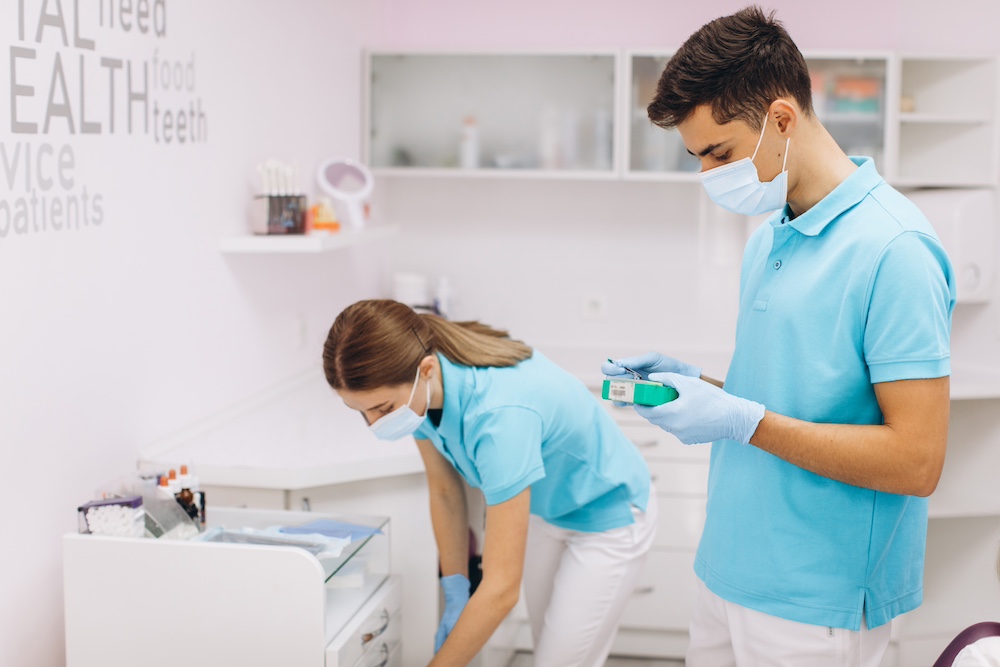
{"points": [[635, 391], [286, 214]]}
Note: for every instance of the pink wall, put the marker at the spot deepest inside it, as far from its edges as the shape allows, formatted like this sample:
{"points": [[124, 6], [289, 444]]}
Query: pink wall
{"points": [[638, 24], [959, 25]]}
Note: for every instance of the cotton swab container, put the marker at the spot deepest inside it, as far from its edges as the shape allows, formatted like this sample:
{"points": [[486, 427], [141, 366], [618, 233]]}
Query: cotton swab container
{"points": [[122, 517]]}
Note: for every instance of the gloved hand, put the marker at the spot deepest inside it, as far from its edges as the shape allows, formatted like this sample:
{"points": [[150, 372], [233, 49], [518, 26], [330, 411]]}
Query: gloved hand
{"points": [[702, 412], [651, 362], [456, 595]]}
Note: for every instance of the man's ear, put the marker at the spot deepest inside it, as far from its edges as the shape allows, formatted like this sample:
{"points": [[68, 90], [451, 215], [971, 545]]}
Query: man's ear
{"points": [[785, 113]]}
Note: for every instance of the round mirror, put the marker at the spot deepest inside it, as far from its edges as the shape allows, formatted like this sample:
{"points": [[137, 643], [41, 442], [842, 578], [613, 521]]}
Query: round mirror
{"points": [[348, 182]]}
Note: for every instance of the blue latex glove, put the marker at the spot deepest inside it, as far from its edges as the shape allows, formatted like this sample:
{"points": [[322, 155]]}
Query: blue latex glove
{"points": [[651, 362], [702, 412], [456, 595]]}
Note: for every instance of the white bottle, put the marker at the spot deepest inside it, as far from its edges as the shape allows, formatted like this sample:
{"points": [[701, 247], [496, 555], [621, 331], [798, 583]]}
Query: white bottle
{"points": [[548, 148], [469, 144], [602, 139]]}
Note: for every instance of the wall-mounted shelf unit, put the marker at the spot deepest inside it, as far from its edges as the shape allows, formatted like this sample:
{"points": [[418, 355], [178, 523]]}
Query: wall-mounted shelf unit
{"points": [[948, 124], [486, 114], [271, 244], [927, 121]]}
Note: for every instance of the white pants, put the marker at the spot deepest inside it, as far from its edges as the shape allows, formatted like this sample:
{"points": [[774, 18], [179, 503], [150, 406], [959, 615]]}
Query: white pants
{"points": [[576, 586], [724, 634]]}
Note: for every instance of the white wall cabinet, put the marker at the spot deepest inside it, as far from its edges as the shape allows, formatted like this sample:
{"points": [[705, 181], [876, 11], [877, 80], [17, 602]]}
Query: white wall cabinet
{"points": [[132, 601], [475, 113], [948, 121], [927, 121]]}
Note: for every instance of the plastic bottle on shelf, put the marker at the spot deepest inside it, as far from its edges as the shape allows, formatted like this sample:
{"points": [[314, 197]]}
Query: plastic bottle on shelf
{"points": [[602, 139], [469, 143], [548, 149]]}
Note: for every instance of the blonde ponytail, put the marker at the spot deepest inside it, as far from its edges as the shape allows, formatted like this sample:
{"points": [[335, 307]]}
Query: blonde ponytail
{"points": [[475, 343], [380, 342]]}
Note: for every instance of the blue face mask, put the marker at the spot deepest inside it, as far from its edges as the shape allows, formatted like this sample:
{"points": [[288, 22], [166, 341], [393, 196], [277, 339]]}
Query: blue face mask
{"points": [[402, 421], [736, 186]]}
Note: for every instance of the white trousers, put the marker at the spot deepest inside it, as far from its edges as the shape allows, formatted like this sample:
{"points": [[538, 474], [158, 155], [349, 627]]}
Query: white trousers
{"points": [[724, 634], [576, 586]]}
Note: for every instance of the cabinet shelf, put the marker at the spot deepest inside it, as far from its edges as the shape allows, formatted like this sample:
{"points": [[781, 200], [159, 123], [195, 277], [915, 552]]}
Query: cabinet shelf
{"points": [[583, 116], [847, 118], [487, 173], [663, 176], [943, 118], [302, 243]]}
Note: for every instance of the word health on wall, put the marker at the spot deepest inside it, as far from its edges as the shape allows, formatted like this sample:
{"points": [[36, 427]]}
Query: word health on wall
{"points": [[62, 83]]}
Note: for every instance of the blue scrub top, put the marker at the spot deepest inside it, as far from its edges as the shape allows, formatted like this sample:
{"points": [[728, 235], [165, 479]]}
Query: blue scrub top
{"points": [[534, 424], [853, 292]]}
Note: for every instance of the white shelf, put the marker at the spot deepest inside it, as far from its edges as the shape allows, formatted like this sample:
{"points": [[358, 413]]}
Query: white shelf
{"points": [[851, 118], [301, 243], [943, 118], [937, 181], [486, 172], [662, 176]]}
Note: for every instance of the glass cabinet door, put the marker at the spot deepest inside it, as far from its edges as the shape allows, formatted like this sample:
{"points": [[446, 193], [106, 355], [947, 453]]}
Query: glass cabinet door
{"points": [[653, 151], [849, 98], [491, 112]]}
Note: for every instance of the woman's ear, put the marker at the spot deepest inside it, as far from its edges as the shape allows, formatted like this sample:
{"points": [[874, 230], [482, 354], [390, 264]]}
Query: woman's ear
{"points": [[429, 365]]}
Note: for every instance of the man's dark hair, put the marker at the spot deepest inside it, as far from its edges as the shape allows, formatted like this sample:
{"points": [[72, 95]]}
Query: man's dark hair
{"points": [[738, 65]]}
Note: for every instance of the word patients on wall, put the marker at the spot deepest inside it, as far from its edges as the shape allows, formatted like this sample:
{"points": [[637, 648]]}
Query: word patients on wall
{"points": [[66, 91]]}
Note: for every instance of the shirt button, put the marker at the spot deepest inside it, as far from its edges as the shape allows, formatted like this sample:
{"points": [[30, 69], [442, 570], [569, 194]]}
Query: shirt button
{"points": [[777, 264]]}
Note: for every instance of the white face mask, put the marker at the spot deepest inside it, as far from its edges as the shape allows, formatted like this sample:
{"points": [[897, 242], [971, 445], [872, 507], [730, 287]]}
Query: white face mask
{"points": [[402, 421], [736, 186]]}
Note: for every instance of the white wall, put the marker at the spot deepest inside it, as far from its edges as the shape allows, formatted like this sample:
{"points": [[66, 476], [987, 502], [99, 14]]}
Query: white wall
{"points": [[114, 334]]}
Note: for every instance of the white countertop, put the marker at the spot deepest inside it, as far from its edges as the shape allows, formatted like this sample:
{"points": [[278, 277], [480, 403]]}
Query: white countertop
{"points": [[294, 436], [300, 435]]}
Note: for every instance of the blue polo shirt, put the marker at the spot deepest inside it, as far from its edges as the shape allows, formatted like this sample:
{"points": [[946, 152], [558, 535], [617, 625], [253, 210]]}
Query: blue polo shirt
{"points": [[534, 424], [855, 291]]}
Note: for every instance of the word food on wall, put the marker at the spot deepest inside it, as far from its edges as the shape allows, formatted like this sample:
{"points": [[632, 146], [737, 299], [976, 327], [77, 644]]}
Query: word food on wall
{"points": [[63, 86]]}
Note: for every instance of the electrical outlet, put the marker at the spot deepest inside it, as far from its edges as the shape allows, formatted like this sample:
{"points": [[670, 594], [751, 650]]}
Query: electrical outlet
{"points": [[595, 306]]}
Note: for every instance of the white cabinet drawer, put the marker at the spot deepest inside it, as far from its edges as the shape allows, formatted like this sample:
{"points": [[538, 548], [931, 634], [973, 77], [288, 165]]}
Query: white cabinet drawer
{"points": [[382, 654], [680, 522], [679, 477], [655, 443], [664, 594], [378, 621]]}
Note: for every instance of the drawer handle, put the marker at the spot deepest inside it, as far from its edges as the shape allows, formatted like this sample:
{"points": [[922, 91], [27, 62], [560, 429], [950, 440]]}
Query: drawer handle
{"points": [[368, 636], [645, 590], [646, 444], [385, 656]]}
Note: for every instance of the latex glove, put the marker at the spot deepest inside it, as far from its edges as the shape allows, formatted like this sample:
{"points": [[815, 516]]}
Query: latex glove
{"points": [[702, 412], [651, 362], [456, 595]]}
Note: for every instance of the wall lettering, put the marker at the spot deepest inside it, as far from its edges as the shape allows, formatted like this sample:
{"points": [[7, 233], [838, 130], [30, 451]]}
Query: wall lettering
{"points": [[62, 84]]}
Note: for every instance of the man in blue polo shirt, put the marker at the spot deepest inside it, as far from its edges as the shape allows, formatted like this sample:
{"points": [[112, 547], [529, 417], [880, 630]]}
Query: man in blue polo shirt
{"points": [[830, 429]]}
